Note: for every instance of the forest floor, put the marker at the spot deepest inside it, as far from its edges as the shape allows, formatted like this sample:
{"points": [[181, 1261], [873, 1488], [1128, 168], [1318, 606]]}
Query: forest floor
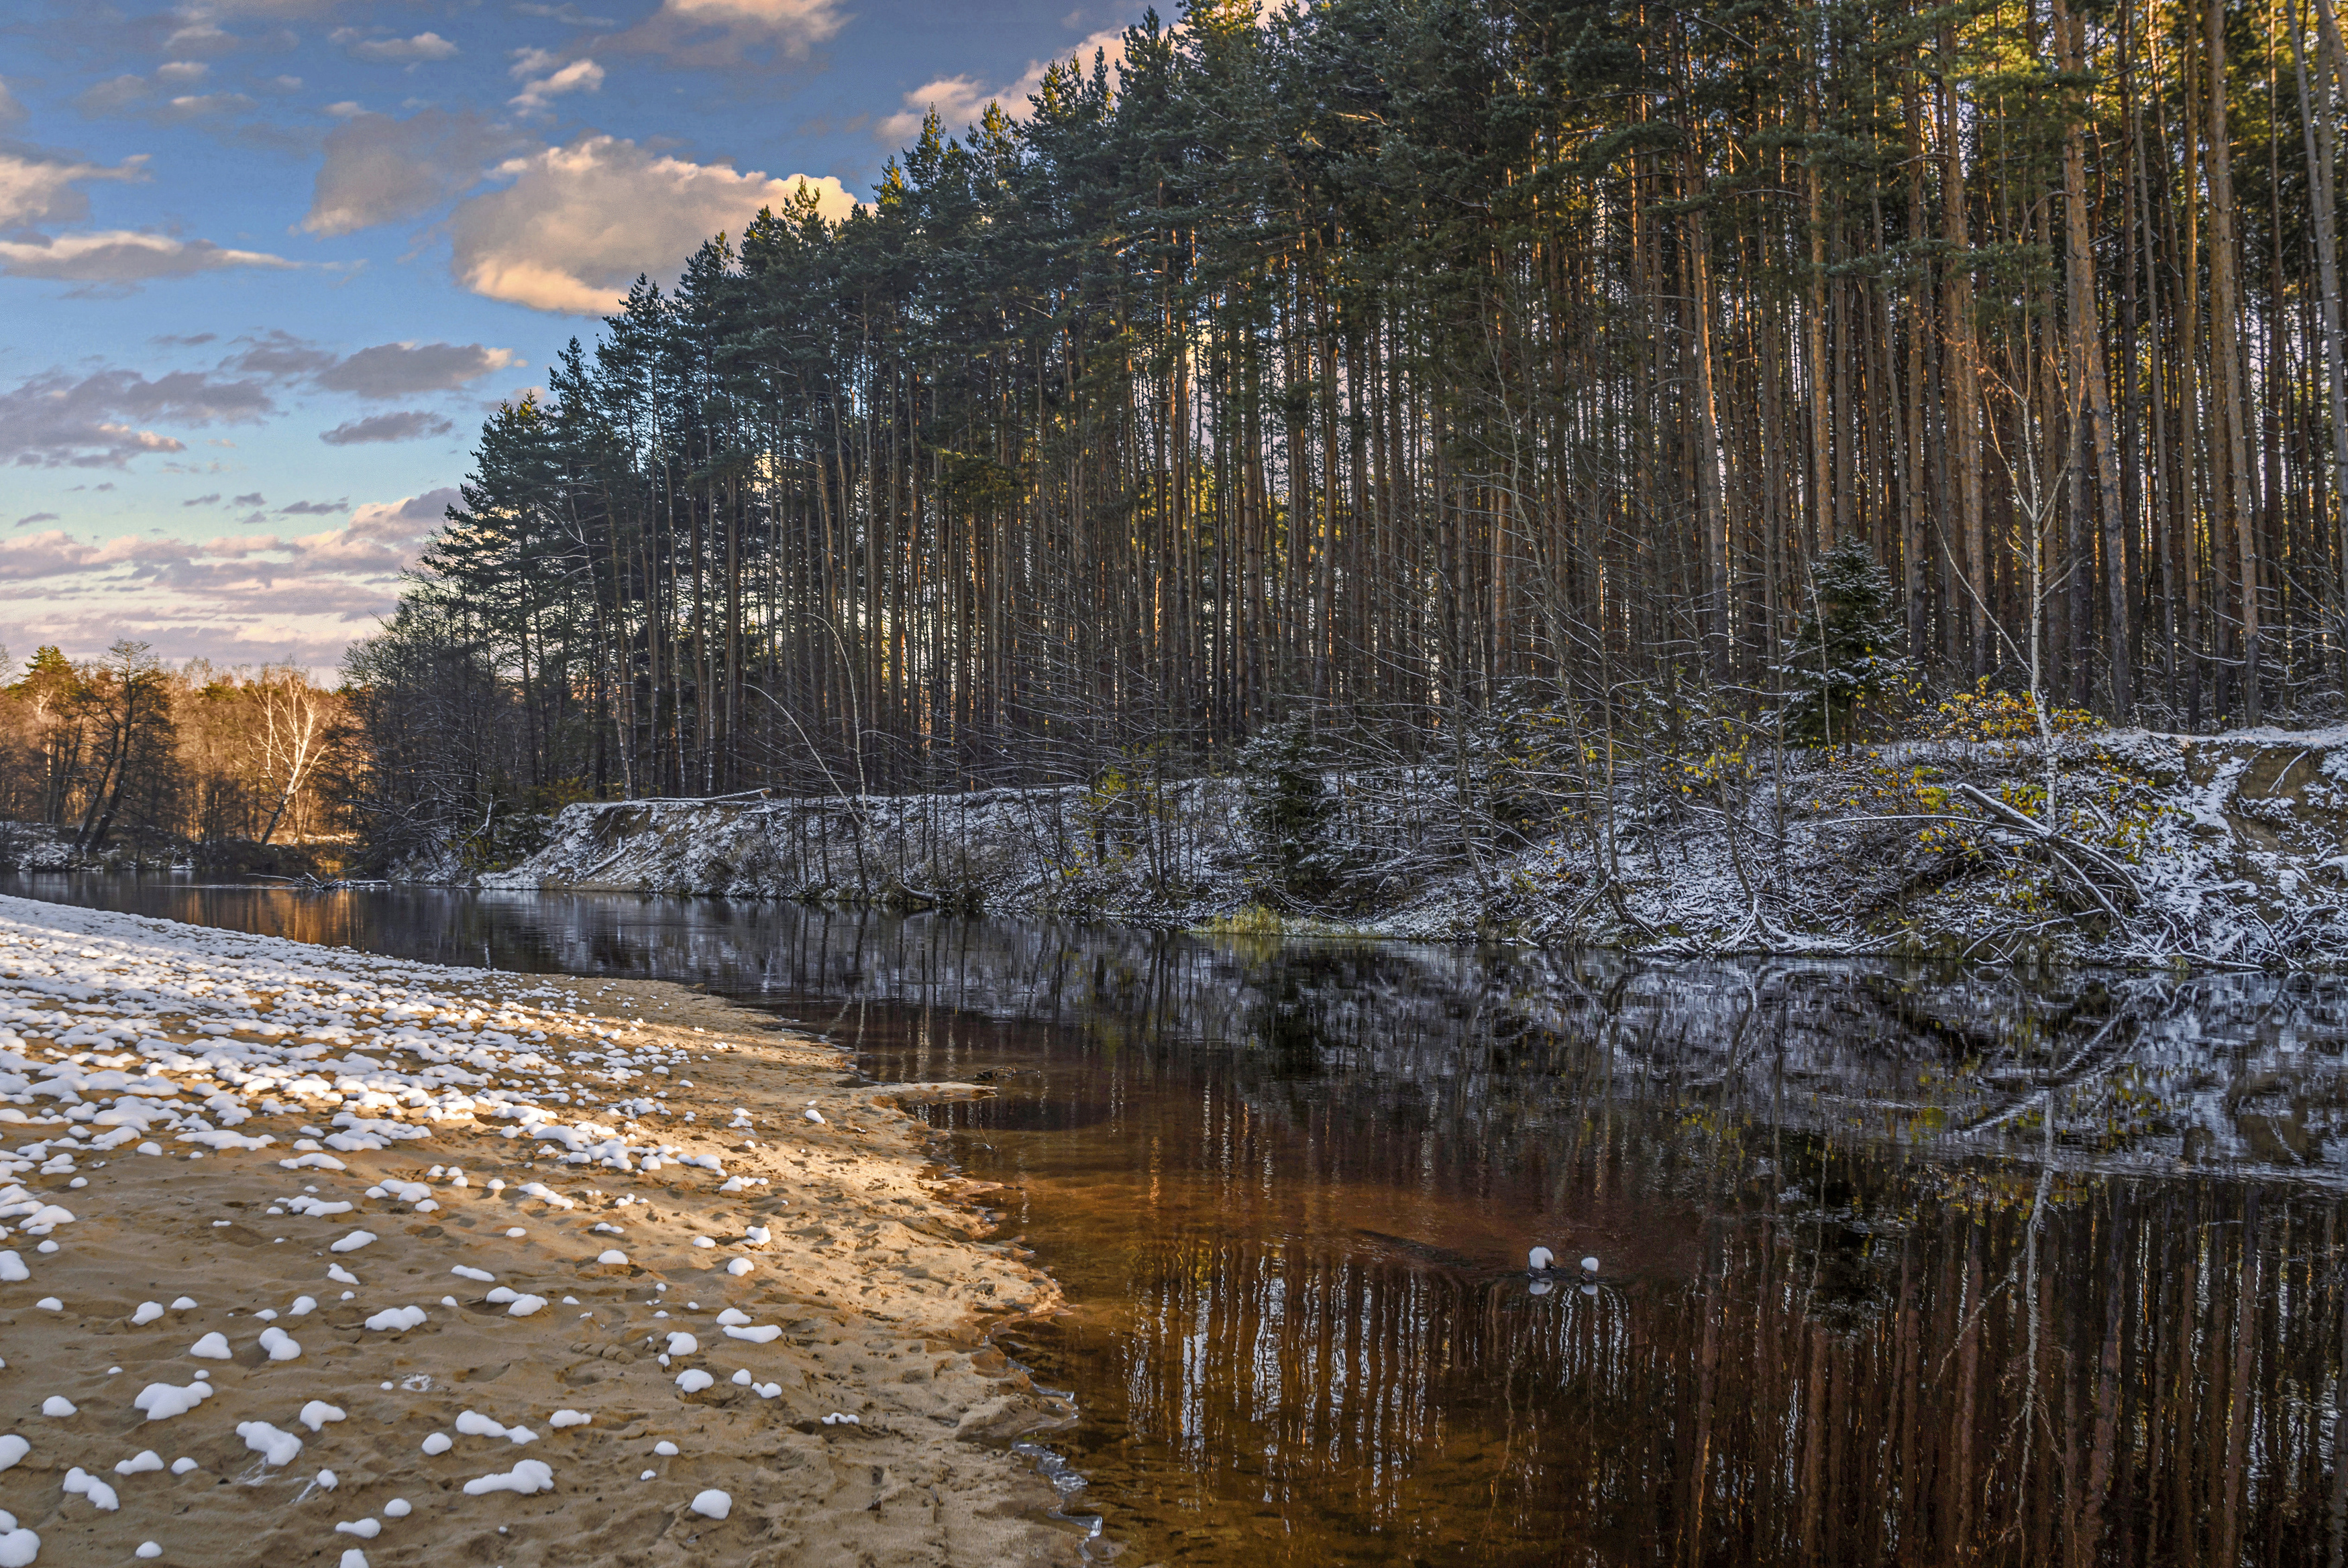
{"points": [[321, 1256], [2221, 851]]}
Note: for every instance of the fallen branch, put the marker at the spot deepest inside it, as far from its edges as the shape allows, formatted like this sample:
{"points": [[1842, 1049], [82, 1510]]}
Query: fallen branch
{"points": [[2062, 846]]}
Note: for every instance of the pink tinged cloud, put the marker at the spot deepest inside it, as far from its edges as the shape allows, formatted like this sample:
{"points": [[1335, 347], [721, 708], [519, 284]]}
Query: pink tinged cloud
{"points": [[56, 420], [308, 594], [577, 224], [385, 371], [403, 369]]}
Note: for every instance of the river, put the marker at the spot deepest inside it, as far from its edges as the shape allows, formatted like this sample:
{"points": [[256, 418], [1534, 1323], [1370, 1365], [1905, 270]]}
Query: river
{"points": [[1894, 1265]]}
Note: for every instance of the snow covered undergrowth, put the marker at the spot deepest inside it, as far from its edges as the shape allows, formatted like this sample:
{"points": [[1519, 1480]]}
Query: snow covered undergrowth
{"points": [[1043, 850], [36, 846], [2217, 850], [349, 1232]]}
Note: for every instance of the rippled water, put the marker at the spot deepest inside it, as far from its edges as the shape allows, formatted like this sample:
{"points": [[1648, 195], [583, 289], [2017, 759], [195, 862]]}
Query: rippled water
{"points": [[1895, 1265]]}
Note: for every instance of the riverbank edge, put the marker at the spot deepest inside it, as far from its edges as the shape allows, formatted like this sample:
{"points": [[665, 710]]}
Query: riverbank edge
{"points": [[890, 1249], [2176, 851], [1009, 1409]]}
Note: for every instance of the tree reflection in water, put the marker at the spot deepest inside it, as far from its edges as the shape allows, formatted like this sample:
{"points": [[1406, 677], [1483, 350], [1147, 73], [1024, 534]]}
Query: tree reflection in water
{"points": [[1898, 1266]]}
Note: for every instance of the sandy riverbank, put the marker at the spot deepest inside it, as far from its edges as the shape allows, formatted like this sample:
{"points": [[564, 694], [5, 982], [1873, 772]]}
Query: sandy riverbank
{"points": [[570, 1191]]}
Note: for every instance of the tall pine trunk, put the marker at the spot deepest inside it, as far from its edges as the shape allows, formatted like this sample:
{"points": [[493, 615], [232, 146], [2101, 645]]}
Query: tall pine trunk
{"points": [[2226, 363], [2091, 395]]}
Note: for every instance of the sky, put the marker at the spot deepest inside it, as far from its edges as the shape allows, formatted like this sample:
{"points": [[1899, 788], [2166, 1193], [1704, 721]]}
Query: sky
{"points": [[265, 265]]}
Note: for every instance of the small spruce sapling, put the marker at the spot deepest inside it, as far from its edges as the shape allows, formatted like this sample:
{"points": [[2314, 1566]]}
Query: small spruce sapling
{"points": [[1844, 660], [1289, 809]]}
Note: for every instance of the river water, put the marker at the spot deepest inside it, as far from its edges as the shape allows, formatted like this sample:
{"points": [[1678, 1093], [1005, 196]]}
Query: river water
{"points": [[1894, 1265]]}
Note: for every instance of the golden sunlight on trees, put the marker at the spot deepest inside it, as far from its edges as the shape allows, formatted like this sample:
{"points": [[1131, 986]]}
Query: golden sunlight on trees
{"points": [[124, 752]]}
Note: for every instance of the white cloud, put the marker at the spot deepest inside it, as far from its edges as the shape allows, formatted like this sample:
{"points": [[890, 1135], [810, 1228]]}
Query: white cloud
{"points": [[812, 20], [120, 258], [564, 13], [200, 36], [276, 8], [159, 99], [380, 372], [401, 425], [391, 370], [201, 105], [579, 224], [112, 96], [393, 51], [960, 101], [54, 420], [36, 186], [581, 76], [722, 34], [379, 169]]}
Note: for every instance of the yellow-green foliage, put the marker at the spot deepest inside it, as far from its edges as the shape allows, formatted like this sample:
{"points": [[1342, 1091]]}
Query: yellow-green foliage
{"points": [[1247, 920], [2102, 804], [1979, 1191], [1695, 776], [1870, 787], [1981, 714], [1257, 920]]}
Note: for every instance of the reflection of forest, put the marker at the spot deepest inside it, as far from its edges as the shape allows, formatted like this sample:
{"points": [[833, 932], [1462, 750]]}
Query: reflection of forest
{"points": [[1901, 1315], [1900, 1266], [2152, 1381]]}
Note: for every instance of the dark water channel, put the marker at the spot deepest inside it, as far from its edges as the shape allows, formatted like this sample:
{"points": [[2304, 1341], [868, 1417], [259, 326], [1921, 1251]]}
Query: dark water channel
{"points": [[1896, 1266]]}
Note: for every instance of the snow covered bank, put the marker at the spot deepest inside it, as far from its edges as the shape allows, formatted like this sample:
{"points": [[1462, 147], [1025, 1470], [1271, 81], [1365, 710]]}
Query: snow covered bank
{"points": [[403, 1250], [40, 847], [1004, 850], [36, 846], [2218, 850]]}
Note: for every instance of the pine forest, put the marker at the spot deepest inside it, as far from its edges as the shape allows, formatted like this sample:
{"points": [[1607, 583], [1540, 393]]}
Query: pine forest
{"points": [[1392, 364]]}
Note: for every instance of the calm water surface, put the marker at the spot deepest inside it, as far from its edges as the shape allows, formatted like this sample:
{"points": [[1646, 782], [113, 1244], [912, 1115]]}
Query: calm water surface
{"points": [[1896, 1266]]}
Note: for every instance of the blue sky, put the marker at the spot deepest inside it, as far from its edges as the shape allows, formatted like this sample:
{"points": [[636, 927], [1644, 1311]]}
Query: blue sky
{"points": [[265, 264]]}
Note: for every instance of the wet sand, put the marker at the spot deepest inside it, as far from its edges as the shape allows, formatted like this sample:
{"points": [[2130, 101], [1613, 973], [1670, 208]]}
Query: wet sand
{"points": [[867, 1298]]}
